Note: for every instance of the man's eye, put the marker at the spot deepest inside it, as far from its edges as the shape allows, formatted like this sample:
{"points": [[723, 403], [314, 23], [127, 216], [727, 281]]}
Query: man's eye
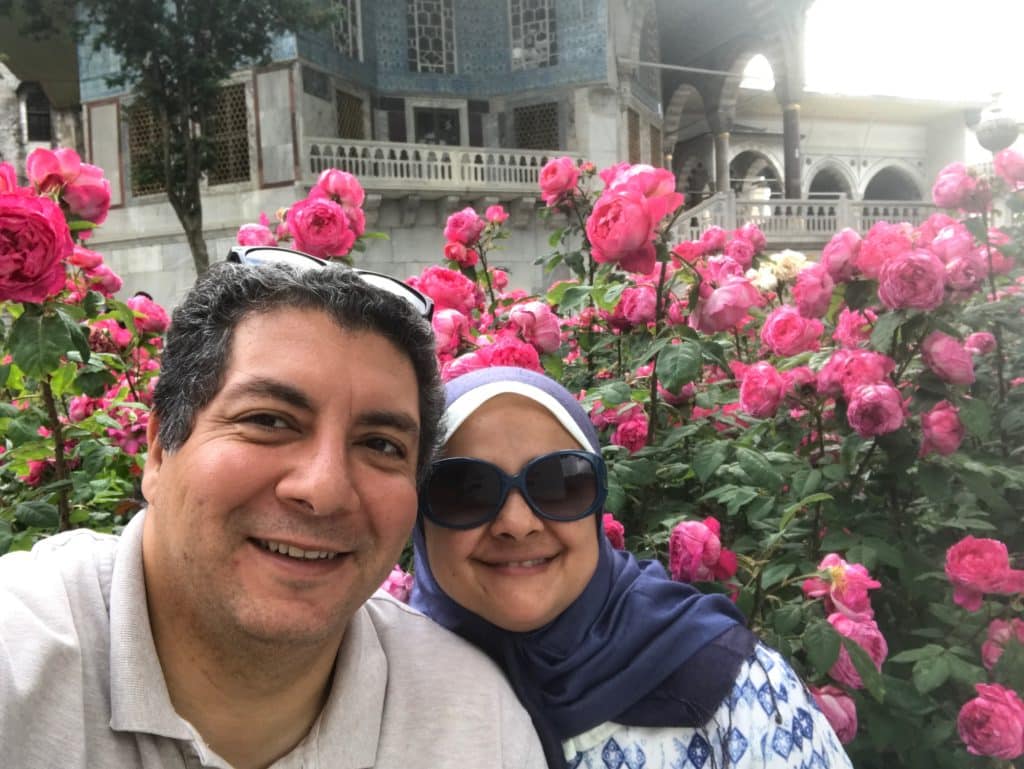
{"points": [[269, 421], [385, 446]]}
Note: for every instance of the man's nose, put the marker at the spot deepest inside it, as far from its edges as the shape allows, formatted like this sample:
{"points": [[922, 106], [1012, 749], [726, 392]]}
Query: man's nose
{"points": [[320, 479]]}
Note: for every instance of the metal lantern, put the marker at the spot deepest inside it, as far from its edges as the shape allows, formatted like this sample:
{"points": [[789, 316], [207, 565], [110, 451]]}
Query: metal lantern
{"points": [[996, 130]]}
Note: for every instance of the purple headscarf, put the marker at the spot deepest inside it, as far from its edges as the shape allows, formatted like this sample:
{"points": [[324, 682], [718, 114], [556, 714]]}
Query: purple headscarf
{"points": [[635, 647]]}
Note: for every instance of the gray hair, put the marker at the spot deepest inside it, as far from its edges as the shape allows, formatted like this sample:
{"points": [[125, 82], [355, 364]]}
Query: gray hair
{"points": [[200, 335]]}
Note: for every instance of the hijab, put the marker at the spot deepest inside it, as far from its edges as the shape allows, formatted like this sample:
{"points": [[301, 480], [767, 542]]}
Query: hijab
{"points": [[635, 647]]}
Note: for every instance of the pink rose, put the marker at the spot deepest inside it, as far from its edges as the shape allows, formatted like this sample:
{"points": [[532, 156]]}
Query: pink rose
{"points": [[696, 553], [398, 584], [840, 255], [496, 214], [255, 235], [657, 185], [631, 430], [740, 251], [464, 364], [88, 195], [847, 370], [721, 269], [786, 332], [980, 343], [50, 169], [558, 178], [949, 359], [538, 325], [951, 241], [620, 230], [966, 274], [320, 227], [507, 350], [813, 291], [930, 228], [1009, 165], [840, 711], [976, 566], [883, 242], [866, 635], [853, 327], [85, 259], [753, 235], [726, 306], [762, 390], [464, 227], [614, 531], [458, 253], [713, 239], [992, 724], [449, 289], [149, 316], [341, 187], [956, 186], [943, 431], [875, 409], [844, 588], [34, 243], [912, 280], [450, 328], [1000, 632], [689, 251], [637, 305], [104, 332], [104, 280], [8, 178]]}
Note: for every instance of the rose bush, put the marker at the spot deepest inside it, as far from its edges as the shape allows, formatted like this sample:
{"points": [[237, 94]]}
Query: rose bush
{"points": [[833, 442]]}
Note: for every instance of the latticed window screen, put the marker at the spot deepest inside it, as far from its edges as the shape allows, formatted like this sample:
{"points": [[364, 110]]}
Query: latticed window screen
{"points": [[228, 132], [650, 50], [656, 158], [537, 126], [350, 116], [143, 147], [633, 133], [431, 35], [346, 30], [534, 34]]}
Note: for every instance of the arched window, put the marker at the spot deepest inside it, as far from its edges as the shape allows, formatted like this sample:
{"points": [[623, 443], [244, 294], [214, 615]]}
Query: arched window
{"points": [[38, 121], [534, 33], [431, 35]]}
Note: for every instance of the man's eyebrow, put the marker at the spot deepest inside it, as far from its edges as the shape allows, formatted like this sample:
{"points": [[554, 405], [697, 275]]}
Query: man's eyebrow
{"points": [[398, 420], [270, 388]]}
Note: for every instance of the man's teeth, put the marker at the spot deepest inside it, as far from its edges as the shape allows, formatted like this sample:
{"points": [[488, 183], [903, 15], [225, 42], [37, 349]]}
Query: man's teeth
{"points": [[294, 552]]}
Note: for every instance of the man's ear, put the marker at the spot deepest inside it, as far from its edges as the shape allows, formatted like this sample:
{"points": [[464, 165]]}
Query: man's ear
{"points": [[154, 457]]}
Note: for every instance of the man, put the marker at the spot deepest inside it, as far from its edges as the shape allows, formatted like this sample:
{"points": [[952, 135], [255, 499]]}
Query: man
{"points": [[232, 623]]}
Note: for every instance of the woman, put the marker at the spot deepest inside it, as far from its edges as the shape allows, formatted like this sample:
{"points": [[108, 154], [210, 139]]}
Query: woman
{"points": [[618, 665]]}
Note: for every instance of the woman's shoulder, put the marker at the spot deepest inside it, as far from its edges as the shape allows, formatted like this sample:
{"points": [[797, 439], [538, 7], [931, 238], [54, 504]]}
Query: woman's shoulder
{"points": [[768, 721]]}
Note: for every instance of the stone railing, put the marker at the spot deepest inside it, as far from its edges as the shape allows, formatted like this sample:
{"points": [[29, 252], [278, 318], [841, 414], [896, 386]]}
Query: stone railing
{"points": [[808, 223], [428, 169]]}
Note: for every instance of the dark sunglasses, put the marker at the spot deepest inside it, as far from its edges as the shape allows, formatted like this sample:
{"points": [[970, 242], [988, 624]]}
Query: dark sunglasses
{"points": [[463, 493], [260, 255]]}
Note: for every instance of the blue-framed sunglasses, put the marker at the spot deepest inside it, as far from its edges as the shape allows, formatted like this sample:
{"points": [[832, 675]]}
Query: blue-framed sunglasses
{"points": [[463, 493], [260, 255]]}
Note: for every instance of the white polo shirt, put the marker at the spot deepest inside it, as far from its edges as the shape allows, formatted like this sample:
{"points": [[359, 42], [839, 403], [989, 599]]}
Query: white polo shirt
{"points": [[81, 684]]}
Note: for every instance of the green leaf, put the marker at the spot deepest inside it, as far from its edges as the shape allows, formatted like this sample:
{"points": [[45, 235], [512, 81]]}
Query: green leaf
{"points": [[95, 383], [758, 468], [790, 512], [776, 573], [613, 394], [574, 298], [885, 327], [976, 226], [865, 668], [930, 674], [38, 342], [608, 296], [678, 365], [821, 642], [64, 378], [708, 458], [41, 515], [6, 536], [931, 651], [976, 416], [556, 237], [786, 618], [861, 293], [635, 472]]}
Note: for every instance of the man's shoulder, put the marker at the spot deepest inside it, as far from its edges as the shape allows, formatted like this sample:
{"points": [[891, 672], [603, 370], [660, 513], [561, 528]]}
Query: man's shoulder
{"points": [[405, 633], [69, 553]]}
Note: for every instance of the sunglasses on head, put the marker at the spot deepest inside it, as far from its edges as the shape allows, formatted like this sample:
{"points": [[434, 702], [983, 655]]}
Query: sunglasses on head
{"points": [[259, 255], [463, 493]]}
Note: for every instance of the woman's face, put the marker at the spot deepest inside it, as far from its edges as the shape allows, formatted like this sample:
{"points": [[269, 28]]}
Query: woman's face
{"points": [[519, 571]]}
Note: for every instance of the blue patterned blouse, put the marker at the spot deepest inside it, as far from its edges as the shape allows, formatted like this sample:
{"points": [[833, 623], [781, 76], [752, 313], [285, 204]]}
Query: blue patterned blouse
{"points": [[770, 721]]}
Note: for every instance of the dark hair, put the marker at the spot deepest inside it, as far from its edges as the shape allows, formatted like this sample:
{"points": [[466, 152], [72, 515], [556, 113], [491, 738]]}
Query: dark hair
{"points": [[202, 327]]}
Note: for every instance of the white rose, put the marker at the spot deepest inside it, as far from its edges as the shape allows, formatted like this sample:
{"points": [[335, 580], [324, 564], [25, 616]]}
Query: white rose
{"points": [[787, 264]]}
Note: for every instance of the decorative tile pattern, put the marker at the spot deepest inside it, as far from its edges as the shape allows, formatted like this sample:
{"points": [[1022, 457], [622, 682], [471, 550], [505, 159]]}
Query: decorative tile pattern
{"points": [[534, 33]]}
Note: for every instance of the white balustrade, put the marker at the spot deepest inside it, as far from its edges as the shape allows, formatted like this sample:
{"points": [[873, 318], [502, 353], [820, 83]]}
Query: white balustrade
{"points": [[428, 168]]}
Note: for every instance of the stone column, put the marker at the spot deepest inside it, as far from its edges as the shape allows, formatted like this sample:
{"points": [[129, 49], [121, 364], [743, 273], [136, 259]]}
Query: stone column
{"points": [[791, 148], [720, 124]]}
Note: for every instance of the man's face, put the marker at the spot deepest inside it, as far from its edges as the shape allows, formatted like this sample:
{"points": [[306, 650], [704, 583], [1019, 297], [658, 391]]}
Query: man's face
{"points": [[291, 499]]}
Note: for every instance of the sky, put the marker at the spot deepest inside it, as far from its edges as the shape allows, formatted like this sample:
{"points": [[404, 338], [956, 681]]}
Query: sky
{"points": [[929, 49], [961, 50]]}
